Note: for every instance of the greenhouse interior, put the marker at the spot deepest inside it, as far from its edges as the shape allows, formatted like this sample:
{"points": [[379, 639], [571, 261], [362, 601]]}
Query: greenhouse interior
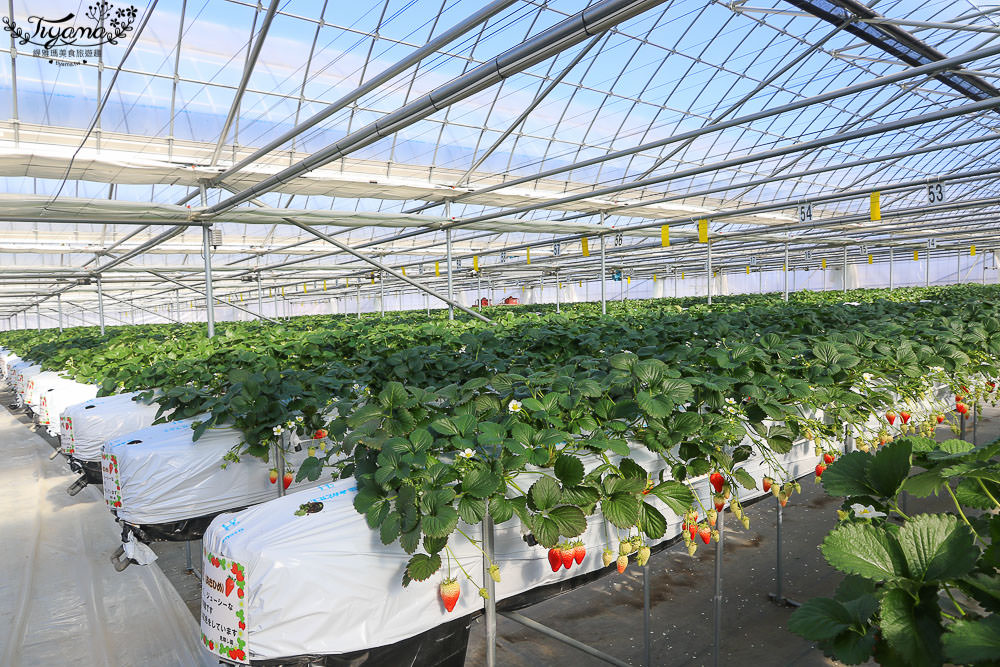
{"points": [[386, 317]]}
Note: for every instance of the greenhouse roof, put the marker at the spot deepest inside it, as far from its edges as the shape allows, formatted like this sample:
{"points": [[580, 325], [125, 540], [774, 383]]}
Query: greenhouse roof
{"points": [[390, 126]]}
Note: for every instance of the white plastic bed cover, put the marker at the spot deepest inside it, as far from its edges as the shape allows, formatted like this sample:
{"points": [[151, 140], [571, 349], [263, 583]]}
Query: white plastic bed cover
{"points": [[86, 426], [280, 608], [21, 373], [7, 358], [36, 384], [56, 396], [159, 474]]}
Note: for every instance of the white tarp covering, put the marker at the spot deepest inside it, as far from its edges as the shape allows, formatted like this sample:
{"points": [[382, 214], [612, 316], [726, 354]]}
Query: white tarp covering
{"points": [[57, 396], [88, 425], [324, 583], [61, 602], [159, 474]]}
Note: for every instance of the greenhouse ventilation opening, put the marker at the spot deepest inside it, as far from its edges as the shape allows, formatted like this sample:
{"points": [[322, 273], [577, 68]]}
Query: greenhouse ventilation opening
{"points": [[469, 305]]}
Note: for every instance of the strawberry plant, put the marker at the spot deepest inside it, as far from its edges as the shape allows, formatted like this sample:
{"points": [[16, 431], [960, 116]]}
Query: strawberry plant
{"points": [[924, 591]]}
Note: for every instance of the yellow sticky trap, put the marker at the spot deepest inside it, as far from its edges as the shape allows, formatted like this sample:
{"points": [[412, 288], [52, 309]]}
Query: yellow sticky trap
{"points": [[347, 282], [682, 275], [373, 279], [874, 208], [282, 291], [748, 270], [822, 263], [437, 268], [305, 290], [324, 285], [581, 283], [586, 246], [404, 270], [654, 277], [783, 268], [665, 236], [475, 262], [972, 250], [527, 252], [628, 280], [560, 285], [871, 260], [703, 231], [916, 255]]}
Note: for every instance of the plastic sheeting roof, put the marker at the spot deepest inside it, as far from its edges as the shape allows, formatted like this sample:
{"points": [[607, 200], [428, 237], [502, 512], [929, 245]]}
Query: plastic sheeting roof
{"points": [[680, 66]]}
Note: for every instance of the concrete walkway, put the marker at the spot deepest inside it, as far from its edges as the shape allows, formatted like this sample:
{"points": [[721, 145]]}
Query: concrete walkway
{"points": [[61, 601]]}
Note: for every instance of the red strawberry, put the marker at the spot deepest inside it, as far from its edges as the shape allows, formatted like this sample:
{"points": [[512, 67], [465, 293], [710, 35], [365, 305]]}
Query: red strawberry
{"points": [[235, 568], [720, 502], [239, 576], [241, 654], [904, 415], [962, 408], [965, 389], [273, 476], [230, 585], [692, 528], [579, 552], [286, 481], [243, 626], [717, 481], [319, 434], [232, 654], [567, 557], [940, 418], [766, 483], [705, 534], [211, 645], [622, 563], [819, 470], [555, 558], [828, 458], [959, 398], [449, 590], [891, 417], [239, 593]]}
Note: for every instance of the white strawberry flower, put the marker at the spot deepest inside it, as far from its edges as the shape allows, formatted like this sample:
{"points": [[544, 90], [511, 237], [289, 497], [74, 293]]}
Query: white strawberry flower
{"points": [[514, 405], [299, 418], [866, 511], [467, 453], [277, 430]]}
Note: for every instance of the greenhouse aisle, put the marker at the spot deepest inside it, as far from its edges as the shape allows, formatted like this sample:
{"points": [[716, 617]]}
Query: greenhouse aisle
{"points": [[61, 601]]}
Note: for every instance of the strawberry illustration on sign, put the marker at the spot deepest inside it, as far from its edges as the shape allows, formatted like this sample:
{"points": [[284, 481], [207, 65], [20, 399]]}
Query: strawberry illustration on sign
{"points": [[230, 585], [224, 621]]}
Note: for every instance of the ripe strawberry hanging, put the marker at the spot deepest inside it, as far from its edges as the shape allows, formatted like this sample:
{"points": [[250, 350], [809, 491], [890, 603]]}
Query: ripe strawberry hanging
{"points": [[449, 590], [273, 476], [828, 458], [319, 434], [904, 415], [940, 418], [705, 534], [959, 398], [717, 481], [555, 558], [622, 563], [286, 481], [579, 552], [567, 556], [962, 408], [890, 417], [766, 484], [819, 470], [720, 502]]}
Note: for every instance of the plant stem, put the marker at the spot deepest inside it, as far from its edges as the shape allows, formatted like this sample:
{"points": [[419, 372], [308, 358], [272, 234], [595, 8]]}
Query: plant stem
{"points": [[960, 512], [987, 491], [953, 601]]}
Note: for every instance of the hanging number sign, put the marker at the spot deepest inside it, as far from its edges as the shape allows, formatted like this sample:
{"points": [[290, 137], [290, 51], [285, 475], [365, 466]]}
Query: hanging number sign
{"points": [[753, 260], [931, 244], [809, 255], [864, 249], [935, 193], [503, 257], [619, 239], [556, 249], [805, 212]]}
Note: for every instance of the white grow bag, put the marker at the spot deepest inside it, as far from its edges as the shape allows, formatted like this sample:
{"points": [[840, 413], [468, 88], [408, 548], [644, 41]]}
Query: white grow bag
{"points": [[87, 425], [159, 474], [56, 396], [21, 374], [324, 584]]}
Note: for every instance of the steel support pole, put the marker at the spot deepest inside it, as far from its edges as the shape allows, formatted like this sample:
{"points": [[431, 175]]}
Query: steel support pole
{"points": [[358, 300], [490, 604], [565, 639], [891, 285], [958, 267], [59, 305], [260, 299], [381, 295], [708, 251], [279, 461], [100, 304], [845, 269], [785, 271], [927, 269], [479, 290], [604, 286], [206, 242], [557, 291], [447, 241], [647, 648], [38, 317], [717, 599]]}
